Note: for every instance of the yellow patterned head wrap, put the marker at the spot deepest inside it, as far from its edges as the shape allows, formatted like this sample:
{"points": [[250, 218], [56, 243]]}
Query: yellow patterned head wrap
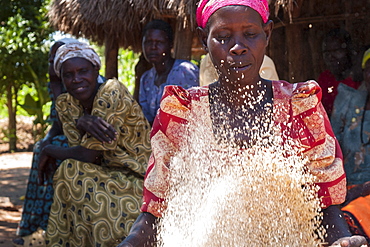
{"points": [[72, 50], [365, 58]]}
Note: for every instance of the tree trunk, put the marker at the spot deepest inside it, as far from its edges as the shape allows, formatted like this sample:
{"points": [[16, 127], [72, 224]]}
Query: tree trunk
{"points": [[111, 58], [141, 66], [183, 42], [12, 123]]}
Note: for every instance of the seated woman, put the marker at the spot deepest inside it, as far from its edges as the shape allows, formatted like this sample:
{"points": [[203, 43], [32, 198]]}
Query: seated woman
{"points": [[98, 185], [351, 125], [39, 197]]}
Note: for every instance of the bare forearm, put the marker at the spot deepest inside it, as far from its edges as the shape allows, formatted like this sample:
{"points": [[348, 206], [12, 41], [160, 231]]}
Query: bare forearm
{"points": [[78, 153], [54, 131], [335, 224], [143, 232]]}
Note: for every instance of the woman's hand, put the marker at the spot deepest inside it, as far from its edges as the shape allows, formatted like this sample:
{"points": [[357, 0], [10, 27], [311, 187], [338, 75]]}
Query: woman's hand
{"points": [[46, 167], [353, 241], [97, 127], [44, 142]]}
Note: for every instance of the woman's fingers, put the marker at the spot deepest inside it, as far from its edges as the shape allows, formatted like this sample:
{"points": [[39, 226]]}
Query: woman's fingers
{"points": [[354, 241], [99, 129], [102, 134], [109, 130], [41, 169]]}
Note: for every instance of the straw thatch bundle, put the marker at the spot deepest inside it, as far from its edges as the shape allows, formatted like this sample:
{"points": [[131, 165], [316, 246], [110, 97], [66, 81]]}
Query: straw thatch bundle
{"points": [[122, 20], [119, 20], [286, 5]]}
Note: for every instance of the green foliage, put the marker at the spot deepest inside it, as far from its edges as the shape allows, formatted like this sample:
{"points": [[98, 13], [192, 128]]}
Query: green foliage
{"points": [[127, 60], [23, 54], [126, 68], [3, 112], [33, 104]]}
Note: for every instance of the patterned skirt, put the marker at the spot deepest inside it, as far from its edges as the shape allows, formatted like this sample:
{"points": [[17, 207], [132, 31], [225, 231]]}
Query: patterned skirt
{"points": [[38, 198], [93, 205]]}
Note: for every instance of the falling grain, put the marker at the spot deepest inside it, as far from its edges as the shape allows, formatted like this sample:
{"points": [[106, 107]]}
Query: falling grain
{"points": [[221, 195]]}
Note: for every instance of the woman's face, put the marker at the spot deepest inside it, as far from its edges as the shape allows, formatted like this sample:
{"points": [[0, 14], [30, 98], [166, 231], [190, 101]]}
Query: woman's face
{"points": [[336, 55], [236, 42], [79, 77], [156, 46]]}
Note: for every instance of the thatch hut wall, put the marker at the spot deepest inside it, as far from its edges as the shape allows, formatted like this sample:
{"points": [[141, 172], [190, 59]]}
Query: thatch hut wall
{"points": [[296, 44]]}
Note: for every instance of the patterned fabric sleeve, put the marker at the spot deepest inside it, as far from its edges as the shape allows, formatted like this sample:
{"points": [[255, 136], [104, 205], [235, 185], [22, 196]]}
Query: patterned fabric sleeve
{"points": [[312, 128], [165, 136], [68, 113]]}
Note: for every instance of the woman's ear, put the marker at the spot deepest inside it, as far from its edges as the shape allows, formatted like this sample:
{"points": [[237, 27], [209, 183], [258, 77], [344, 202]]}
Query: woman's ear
{"points": [[96, 70], [268, 30], [203, 35]]}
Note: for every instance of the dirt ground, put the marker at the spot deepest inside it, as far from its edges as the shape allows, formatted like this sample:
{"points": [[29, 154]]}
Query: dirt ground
{"points": [[14, 171]]}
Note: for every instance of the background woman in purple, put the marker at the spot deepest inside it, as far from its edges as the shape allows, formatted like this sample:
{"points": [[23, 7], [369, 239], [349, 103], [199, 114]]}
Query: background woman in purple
{"points": [[157, 44]]}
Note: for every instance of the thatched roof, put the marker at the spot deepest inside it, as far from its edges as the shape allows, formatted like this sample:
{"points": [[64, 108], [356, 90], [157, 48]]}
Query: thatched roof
{"points": [[121, 20]]}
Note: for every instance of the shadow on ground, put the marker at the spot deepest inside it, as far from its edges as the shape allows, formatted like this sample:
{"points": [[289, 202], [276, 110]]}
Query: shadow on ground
{"points": [[13, 180], [13, 184]]}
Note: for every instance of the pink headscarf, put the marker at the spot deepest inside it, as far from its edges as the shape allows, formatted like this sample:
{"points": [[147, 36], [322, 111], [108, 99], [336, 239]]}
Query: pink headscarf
{"points": [[207, 7]]}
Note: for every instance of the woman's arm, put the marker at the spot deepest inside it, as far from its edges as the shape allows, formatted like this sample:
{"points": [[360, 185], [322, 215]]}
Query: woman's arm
{"points": [[78, 153], [337, 230], [52, 152], [335, 224], [325, 161], [143, 232]]}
